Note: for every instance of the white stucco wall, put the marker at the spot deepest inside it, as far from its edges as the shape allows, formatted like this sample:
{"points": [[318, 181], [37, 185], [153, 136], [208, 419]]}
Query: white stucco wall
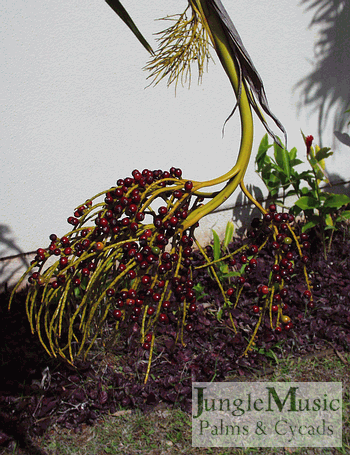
{"points": [[76, 116]]}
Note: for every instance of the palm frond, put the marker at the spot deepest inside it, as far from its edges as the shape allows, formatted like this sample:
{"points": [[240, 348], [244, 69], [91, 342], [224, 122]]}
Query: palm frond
{"points": [[123, 14], [248, 75]]}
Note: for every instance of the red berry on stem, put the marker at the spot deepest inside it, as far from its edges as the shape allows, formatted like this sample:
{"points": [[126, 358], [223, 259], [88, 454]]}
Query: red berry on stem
{"points": [[163, 318], [188, 185], [307, 294], [117, 314]]}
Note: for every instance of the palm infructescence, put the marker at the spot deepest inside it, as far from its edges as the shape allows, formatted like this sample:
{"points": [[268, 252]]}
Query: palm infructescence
{"points": [[135, 264]]}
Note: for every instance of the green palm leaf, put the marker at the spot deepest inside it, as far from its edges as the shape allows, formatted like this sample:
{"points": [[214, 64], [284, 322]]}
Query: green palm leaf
{"points": [[123, 14]]}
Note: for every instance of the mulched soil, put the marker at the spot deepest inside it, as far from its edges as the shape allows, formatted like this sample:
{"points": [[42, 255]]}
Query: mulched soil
{"points": [[37, 391]]}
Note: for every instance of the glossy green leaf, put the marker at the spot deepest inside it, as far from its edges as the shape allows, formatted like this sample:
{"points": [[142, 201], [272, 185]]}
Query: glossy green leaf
{"points": [[230, 229], [345, 215], [282, 159], [336, 200], [292, 154], [314, 221], [216, 247], [295, 162], [323, 153], [328, 220], [307, 202]]}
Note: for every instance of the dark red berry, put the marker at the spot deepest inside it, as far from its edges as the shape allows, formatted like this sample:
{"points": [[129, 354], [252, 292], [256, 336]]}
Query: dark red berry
{"points": [[263, 289], [243, 259], [110, 292], [254, 249], [188, 185], [163, 318], [189, 327], [307, 294], [117, 314], [63, 262]]}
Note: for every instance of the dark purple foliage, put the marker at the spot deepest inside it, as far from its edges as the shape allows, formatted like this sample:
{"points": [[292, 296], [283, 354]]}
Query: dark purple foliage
{"points": [[212, 349]]}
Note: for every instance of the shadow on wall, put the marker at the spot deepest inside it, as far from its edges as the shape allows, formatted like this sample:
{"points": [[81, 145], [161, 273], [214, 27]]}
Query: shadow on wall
{"points": [[13, 260], [327, 86], [243, 211]]}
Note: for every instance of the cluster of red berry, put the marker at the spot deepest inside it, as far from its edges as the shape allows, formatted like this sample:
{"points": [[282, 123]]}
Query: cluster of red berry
{"points": [[276, 231], [134, 264]]}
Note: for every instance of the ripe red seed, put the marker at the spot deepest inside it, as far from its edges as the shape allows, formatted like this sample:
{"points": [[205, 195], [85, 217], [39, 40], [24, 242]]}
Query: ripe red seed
{"points": [[117, 314], [110, 292], [163, 318], [148, 337], [256, 309], [253, 263], [307, 294], [156, 297], [274, 308], [173, 221], [188, 185], [63, 262], [189, 327], [192, 308], [187, 252], [263, 289], [283, 292], [254, 249], [162, 210], [243, 259], [230, 292], [305, 259], [304, 237], [306, 245], [241, 279], [178, 194]]}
